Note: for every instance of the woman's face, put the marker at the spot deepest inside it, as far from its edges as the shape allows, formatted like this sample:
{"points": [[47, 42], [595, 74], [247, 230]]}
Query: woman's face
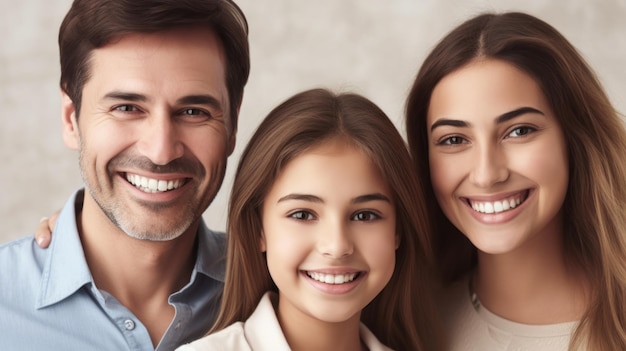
{"points": [[498, 157]]}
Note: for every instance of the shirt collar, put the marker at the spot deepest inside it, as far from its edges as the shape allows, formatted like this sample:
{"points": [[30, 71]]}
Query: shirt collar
{"points": [[211, 255], [65, 269]]}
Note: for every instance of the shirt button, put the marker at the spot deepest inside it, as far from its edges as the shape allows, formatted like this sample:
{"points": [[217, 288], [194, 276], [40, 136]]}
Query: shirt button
{"points": [[129, 324], [177, 326]]}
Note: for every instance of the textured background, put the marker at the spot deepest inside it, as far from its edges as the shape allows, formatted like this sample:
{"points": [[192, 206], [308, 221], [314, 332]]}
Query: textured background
{"points": [[373, 48]]}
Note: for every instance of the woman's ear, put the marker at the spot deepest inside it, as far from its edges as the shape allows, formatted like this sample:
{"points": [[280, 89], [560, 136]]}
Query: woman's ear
{"points": [[398, 240], [262, 243], [71, 136]]}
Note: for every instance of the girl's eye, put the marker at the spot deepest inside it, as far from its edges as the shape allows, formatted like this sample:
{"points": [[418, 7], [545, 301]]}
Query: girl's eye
{"points": [[365, 216], [453, 140], [521, 131], [302, 215]]}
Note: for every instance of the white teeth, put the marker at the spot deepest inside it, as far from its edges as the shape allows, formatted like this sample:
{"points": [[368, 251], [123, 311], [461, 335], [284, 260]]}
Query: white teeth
{"points": [[150, 185], [496, 206], [488, 207], [332, 278]]}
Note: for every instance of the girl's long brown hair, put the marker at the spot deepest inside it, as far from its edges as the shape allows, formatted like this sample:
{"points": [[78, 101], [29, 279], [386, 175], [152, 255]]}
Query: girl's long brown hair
{"points": [[402, 315], [595, 205]]}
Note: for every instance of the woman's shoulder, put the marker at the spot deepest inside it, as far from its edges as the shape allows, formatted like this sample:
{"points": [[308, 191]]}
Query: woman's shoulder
{"points": [[229, 338], [454, 298], [261, 331]]}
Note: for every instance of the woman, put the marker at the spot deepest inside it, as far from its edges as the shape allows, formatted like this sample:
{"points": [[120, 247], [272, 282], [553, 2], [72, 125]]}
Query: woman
{"points": [[516, 139]]}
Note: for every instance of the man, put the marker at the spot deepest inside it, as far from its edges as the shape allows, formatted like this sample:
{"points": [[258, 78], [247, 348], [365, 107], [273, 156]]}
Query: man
{"points": [[150, 97]]}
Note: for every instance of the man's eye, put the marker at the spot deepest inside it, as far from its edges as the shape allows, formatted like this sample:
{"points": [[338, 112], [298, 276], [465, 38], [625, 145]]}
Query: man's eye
{"points": [[126, 108], [365, 216], [195, 112], [302, 215]]}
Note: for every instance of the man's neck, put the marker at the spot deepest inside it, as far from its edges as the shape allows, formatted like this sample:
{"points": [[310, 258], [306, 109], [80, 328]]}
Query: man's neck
{"points": [[140, 274]]}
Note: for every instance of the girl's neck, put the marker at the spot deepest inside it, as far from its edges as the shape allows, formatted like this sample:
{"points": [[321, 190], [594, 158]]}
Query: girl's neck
{"points": [[533, 284], [303, 332]]}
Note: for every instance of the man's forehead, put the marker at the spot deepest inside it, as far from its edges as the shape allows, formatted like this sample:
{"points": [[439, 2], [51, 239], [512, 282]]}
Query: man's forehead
{"points": [[188, 62]]}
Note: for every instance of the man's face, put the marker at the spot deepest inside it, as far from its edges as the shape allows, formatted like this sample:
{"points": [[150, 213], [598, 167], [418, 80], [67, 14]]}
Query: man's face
{"points": [[153, 131]]}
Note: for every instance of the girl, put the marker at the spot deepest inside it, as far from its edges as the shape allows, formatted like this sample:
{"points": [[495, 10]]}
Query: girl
{"points": [[327, 235], [519, 144]]}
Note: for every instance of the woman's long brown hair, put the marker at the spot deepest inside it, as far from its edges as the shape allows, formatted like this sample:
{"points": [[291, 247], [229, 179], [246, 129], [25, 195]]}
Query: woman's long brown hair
{"points": [[595, 204]]}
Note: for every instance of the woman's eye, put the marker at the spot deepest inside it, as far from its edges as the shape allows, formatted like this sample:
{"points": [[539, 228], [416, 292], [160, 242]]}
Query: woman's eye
{"points": [[521, 131], [453, 140], [302, 215], [365, 216]]}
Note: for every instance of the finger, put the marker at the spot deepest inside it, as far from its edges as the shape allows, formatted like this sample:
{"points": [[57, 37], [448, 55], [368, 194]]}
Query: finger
{"points": [[43, 233]]}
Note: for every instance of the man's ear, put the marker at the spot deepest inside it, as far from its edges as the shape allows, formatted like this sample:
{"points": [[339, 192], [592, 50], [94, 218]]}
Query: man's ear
{"points": [[71, 136], [232, 138]]}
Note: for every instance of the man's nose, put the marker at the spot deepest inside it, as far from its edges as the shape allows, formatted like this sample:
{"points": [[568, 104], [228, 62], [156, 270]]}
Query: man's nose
{"points": [[160, 139]]}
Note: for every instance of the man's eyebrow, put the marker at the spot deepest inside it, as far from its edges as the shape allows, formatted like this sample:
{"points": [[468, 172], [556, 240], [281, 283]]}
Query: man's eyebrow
{"points": [[185, 100], [200, 100], [126, 96], [500, 119]]}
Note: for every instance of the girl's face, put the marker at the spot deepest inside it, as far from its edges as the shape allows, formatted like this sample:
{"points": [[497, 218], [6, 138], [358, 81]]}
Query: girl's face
{"points": [[329, 234], [498, 157]]}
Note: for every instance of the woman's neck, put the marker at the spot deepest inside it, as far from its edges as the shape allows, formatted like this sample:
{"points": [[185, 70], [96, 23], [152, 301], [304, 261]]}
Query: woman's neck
{"points": [[533, 284]]}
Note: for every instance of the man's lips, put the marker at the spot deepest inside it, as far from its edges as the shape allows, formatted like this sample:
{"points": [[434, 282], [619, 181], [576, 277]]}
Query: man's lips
{"points": [[152, 185]]}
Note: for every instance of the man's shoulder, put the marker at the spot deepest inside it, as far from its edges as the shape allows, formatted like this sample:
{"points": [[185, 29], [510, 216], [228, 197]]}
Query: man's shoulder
{"points": [[26, 240], [21, 264], [212, 235], [22, 254]]}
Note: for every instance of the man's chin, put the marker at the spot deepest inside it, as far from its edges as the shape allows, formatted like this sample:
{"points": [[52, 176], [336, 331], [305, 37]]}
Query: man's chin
{"points": [[154, 232]]}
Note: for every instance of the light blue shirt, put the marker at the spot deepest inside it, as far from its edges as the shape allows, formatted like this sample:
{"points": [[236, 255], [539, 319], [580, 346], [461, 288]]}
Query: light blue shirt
{"points": [[49, 301]]}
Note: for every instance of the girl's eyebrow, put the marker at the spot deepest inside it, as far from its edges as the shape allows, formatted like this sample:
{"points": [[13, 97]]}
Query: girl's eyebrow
{"points": [[301, 197], [317, 199], [370, 197], [500, 119]]}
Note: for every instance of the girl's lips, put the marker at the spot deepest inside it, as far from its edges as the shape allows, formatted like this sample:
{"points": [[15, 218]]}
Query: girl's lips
{"points": [[329, 278], [334, 283]]}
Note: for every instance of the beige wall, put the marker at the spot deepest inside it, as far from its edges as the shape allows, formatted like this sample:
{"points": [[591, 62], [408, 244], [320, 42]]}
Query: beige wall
{"points": [[373, 47]]}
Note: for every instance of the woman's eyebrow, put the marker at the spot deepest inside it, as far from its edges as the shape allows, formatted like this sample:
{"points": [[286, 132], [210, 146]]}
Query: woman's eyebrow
{"points": [[517, 112], [500, 119]]}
